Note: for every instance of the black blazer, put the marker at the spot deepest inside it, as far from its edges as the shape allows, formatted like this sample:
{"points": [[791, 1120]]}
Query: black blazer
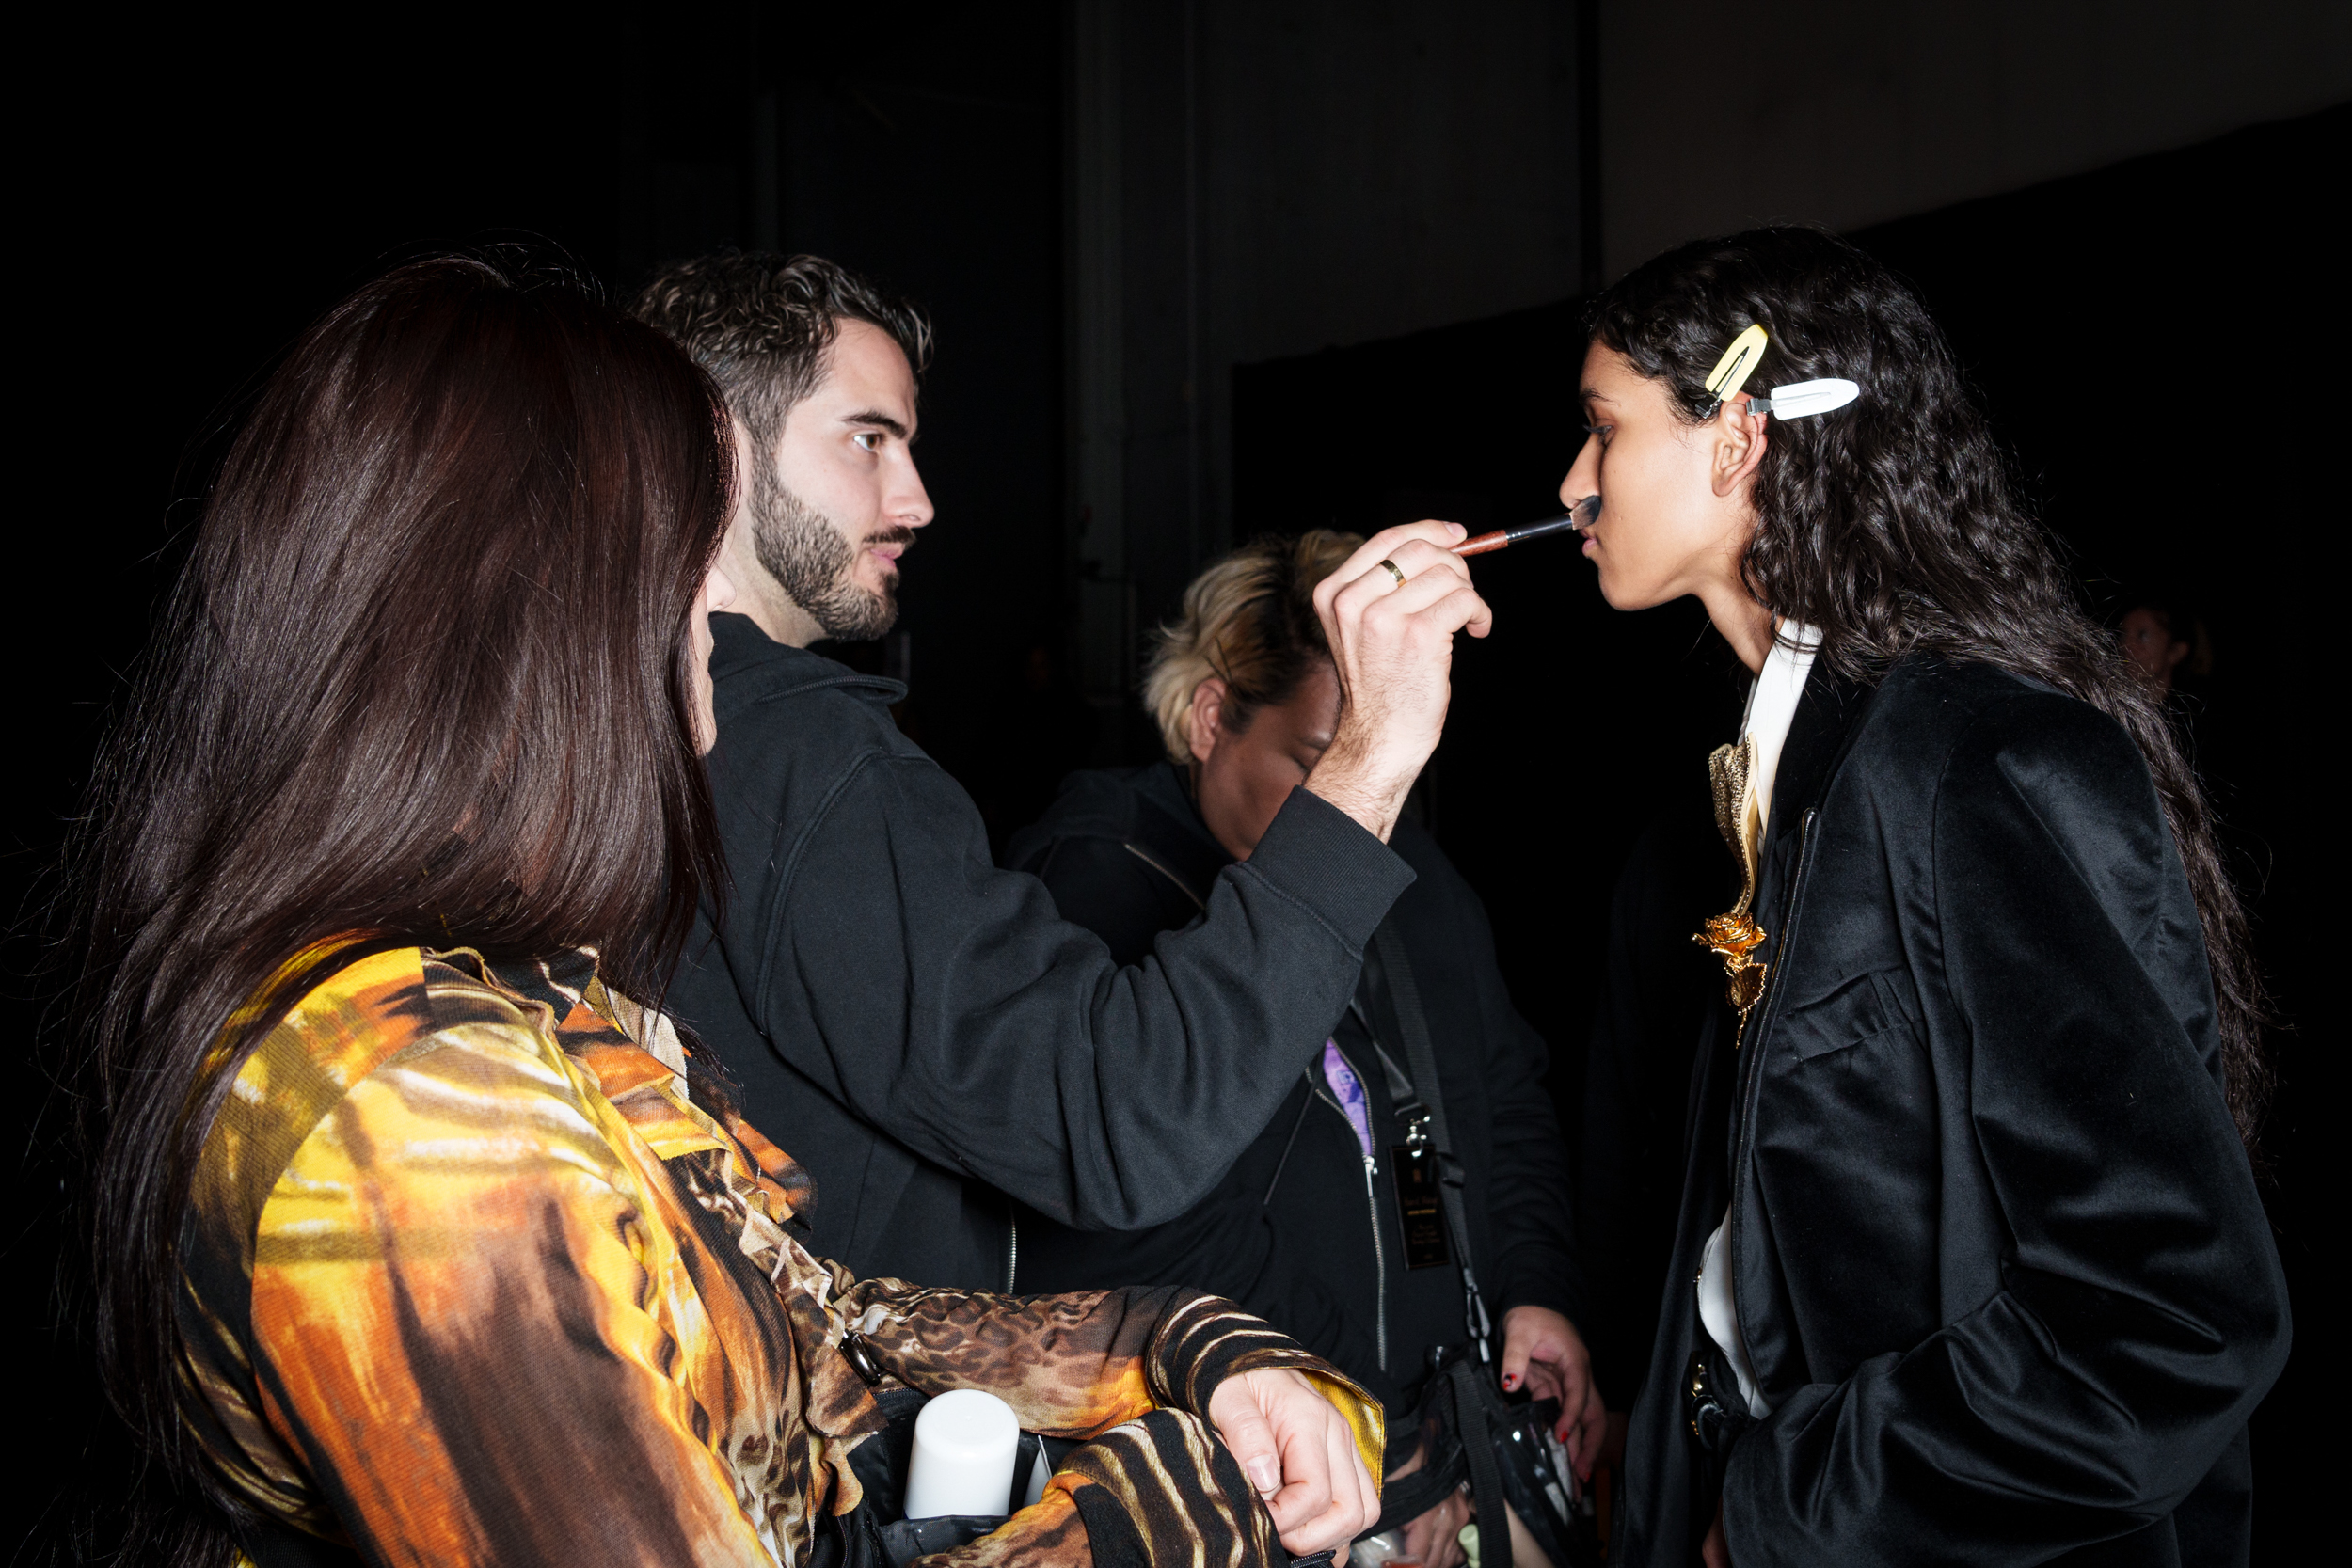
{"points": [[1995, 1246]]}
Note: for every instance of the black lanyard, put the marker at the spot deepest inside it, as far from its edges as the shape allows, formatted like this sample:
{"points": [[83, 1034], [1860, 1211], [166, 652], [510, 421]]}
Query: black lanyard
{"points": [[1427, 1160]]}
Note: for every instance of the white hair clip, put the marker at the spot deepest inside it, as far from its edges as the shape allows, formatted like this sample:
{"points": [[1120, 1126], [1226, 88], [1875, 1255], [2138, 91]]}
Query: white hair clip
{"points": [[1800, 398]]}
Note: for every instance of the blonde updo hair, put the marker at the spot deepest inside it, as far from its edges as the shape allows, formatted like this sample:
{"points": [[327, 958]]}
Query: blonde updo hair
{"points": [[1250, 621]]}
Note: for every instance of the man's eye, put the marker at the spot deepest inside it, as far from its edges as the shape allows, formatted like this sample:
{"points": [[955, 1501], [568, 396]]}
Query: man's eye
{"points": [[1599, 430], [868, 440]]}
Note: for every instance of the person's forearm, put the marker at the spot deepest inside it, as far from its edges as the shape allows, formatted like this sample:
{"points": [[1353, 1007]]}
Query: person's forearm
{"points": [[1371, 789], [1070, 1365]]}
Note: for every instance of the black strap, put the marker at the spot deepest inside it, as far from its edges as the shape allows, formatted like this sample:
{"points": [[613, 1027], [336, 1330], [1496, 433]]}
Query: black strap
{"points": [[1478, 1448], [1405, 996]]}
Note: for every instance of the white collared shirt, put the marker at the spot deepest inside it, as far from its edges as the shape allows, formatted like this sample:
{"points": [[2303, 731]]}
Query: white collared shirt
{"points": [[1772, 707]]}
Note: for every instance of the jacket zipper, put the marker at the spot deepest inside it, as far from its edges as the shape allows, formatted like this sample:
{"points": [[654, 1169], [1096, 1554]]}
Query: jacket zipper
{"points": [[1379, 1265], [1753, 1068], [1379, 1249], [1012, 1250]]}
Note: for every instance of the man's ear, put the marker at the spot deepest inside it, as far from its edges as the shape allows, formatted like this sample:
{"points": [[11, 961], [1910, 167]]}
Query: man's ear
{"points": [[1740, 443], [1208, 713]]}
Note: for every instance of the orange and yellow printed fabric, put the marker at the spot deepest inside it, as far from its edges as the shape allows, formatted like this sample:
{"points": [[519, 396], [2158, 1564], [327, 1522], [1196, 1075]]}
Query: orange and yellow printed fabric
{"points": [[469, 1277]]}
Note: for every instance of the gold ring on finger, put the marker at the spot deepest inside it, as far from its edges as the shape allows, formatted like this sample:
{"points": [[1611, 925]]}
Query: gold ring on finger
{"points": [[1395, 571]]}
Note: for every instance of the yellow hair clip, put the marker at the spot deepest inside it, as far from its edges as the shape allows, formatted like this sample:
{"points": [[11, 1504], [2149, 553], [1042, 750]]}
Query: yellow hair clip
{"points": [[1793, 402], [1732, 370]]}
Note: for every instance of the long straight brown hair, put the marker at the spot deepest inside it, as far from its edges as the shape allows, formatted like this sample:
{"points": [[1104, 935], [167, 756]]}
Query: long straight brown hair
{"points": [[425, 680]]}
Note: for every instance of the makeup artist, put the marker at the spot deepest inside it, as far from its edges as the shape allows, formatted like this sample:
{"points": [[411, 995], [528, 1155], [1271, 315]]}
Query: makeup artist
{"points": [[920, 1029], [1323, 1225]]}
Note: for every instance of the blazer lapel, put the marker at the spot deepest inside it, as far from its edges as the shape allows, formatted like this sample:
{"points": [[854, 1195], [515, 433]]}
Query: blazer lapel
{"points": [[1828, 715]]}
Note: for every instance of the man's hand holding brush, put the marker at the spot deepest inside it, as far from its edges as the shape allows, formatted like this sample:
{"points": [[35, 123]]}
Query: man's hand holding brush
{"points": [[1389, 615]]}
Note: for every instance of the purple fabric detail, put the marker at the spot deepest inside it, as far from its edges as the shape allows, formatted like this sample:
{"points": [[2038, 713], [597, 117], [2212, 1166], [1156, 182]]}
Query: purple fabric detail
{"points": [[1349, 1092]]}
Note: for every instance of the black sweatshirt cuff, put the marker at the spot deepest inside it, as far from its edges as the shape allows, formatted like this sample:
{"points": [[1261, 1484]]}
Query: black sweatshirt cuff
{"points": [[1543, 1276], [1323, 858]]}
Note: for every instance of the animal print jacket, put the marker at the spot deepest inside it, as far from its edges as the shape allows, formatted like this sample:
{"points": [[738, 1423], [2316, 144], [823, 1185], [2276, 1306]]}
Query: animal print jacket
{"points": [[468, 1277]]}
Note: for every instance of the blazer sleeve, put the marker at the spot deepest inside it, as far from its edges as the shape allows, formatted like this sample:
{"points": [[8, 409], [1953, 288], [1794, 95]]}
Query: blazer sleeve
{"points": [[2141, 1313], [945, 1000]]}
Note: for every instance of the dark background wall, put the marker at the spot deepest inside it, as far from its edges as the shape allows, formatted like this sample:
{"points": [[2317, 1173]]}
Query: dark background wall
{"points": [[1716, 114], [1136, 226]]}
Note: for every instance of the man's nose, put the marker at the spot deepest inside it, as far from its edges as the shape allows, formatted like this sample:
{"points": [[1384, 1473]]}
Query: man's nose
{"points": [[910, 504]]}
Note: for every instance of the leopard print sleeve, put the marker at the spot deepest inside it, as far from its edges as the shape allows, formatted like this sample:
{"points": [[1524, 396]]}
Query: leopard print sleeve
{"points": [[1077, 1365], [1130, 1370]]}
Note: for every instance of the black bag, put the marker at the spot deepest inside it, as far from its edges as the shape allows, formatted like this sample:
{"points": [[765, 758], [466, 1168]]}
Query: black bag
{"points": [[877, 1533], [1469, 1428]]}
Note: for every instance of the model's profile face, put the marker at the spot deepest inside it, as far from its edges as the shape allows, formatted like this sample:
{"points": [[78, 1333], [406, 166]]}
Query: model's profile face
{"points": [[1242, 775], [1674, 510], [840, 504]]}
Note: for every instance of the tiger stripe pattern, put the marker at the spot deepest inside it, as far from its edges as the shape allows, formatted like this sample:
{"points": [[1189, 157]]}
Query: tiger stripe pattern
{"points": [[468, 1276]]}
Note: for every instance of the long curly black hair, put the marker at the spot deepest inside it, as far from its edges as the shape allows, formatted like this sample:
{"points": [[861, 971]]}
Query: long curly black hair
{"points": [[1894, 525]]}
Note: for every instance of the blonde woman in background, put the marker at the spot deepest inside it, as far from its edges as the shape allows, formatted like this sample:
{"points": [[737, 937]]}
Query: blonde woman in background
{"points": [[1311, 1228]]}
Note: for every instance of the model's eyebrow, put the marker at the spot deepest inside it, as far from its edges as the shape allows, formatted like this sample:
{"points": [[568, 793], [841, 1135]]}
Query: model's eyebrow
{"points": [[874, 417], [1592, 394]]}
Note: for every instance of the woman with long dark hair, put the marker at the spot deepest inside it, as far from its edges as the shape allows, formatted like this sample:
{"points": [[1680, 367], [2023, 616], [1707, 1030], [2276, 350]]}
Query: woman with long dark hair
{"points": [[418, 1232], [1980, 1271]]}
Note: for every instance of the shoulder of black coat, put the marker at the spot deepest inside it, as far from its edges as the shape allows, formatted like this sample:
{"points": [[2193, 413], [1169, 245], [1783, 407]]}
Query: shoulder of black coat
{"points": [[1930, 715]]}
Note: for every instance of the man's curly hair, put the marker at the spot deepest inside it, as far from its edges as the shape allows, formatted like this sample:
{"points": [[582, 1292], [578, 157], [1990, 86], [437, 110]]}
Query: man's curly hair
{"points": [[763, 325]]}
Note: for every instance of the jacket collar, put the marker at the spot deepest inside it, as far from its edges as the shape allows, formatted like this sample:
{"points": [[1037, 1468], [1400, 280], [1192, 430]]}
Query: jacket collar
{"points": [[1167, 821], [1828, 715], [1828, 718], [746, 662]]}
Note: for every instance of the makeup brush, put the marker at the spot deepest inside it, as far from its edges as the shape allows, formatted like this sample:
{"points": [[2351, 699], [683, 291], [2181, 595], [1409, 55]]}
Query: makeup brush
{"points": [[1584, 514]]}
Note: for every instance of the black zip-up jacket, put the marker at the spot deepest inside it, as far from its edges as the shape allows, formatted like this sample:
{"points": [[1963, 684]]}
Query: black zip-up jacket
{"points": [[1300, 1230], [1994, 1244], [917, 1027]]}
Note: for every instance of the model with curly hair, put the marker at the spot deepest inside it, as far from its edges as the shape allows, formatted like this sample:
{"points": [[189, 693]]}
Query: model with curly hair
{"points": [[1981, 1274]]}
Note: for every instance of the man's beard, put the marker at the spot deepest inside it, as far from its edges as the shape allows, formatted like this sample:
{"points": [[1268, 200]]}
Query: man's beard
{"points": [[806, 555]]}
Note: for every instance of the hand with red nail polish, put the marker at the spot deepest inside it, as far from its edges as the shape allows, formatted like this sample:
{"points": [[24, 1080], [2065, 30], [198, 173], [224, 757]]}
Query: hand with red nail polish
{"points": [[1543, 1350]]}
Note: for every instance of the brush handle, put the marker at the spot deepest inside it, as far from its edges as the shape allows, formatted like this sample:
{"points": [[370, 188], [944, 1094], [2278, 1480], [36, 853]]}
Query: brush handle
{"points": [[1502, 538]]}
